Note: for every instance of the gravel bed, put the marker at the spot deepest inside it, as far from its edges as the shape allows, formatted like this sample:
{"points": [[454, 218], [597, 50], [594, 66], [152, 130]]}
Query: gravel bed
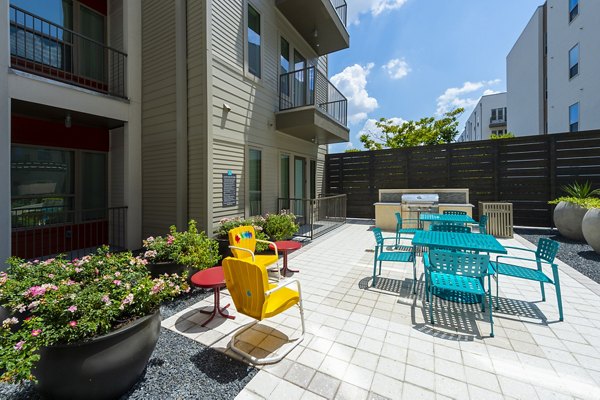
{"points": [[179, 368], [578, 255]]}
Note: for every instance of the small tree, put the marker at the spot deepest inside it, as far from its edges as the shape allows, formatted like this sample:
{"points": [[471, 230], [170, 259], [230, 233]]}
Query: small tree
{"points": [[426, 131]]}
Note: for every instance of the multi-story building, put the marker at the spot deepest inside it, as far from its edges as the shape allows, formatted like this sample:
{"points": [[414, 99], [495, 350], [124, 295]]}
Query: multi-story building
{"points": [[488, 118], [70, 115], [120, 118], [551, 70], [237, 109]]}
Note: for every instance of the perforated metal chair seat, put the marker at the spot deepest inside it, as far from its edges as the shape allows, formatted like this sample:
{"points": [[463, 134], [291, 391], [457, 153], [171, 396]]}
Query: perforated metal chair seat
{"points": [[519, 272], [397, 256], [464, 284]]}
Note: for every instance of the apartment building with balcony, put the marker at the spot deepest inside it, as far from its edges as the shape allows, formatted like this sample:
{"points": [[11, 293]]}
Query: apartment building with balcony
{"points": [[70, 137], [489, 117], [552, 70], [237, 110]]}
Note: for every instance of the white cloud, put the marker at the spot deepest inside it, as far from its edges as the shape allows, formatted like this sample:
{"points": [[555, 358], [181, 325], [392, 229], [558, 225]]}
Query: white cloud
{"points": [[488, 92], [455, 97], [374, 7], [371, 128], [397, 68], [352, 82]]}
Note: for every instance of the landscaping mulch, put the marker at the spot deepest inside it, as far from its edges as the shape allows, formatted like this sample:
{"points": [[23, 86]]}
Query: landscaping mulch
{"points": [[578, 255], [180, 368]]}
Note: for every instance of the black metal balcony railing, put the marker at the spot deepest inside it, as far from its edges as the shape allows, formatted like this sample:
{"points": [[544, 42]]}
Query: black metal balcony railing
{"points": [[310, 87], [341, 8], [41, 232], [47, 49], [316, 216]]}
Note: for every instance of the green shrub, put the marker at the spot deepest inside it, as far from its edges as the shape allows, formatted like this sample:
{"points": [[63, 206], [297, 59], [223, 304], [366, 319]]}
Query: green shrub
{"points": [[281, 226], [258, 222]]}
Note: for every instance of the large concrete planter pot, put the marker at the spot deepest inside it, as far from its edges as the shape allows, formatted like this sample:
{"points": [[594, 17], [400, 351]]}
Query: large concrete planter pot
{"points": [[568, 218], [591, 228], [101, 368]]}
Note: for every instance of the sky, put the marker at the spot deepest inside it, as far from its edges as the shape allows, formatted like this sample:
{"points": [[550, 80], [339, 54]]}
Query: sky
{"points": [[415, 58]]}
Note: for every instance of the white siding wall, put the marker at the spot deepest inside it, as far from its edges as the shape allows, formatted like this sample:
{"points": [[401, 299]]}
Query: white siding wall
{"points": [[524, 80], [584, 88], [158, 116], [477, 126], [253, 103]]}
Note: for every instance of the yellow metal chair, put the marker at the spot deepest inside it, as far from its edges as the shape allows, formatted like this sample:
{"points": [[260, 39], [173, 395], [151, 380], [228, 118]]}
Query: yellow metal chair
{"points": [[255, 297], [242, 242]]}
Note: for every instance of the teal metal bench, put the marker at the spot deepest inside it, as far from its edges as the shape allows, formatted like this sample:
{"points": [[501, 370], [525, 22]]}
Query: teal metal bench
{"points": [[544, 254], [458, 272], [382, 255]]}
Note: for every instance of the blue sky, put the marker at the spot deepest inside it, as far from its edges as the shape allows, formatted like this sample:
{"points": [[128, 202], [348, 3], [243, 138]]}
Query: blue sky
{"points": [[414, 58]]}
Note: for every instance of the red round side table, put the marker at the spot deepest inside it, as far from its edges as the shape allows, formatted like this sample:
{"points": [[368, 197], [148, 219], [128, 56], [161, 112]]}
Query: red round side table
{"points": [[212, 278], [285, 246]]}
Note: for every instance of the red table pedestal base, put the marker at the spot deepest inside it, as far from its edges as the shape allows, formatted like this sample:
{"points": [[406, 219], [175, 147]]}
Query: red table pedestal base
{"points": [[216, 308]]}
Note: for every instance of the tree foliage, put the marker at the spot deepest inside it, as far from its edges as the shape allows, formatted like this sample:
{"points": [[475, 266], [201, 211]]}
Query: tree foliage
{"points": [[426, 131], [507, 135]]}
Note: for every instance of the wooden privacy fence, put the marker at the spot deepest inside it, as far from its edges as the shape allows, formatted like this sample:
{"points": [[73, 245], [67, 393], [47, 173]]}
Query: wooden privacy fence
{"points": [[526, 171]]}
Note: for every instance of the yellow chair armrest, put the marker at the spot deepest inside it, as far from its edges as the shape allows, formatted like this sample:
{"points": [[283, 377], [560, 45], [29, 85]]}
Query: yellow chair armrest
{"points": [[283, 284], [243, 249]]}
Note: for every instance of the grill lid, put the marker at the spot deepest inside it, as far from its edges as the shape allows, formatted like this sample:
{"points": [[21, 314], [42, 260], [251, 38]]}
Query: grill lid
{"points": [[431, 198]]}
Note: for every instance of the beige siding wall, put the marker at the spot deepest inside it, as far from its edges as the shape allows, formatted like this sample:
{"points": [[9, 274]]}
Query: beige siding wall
{"points": [[197, 124], [253, 102], [158, 116], [115, 24]]}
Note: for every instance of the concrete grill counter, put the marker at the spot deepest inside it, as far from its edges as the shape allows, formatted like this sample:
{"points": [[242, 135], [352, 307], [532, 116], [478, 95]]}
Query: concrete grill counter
{"points": [[390, 202]]}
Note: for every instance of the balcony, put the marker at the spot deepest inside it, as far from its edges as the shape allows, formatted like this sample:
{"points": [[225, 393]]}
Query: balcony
{"points": [[43, 48], [322, 23], [312, 108], [496, 122]]}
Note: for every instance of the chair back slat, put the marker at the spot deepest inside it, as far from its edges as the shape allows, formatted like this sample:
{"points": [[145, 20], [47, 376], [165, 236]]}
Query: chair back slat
{"points": [[450, 228], [483, 224], [247, 283], [547, 250], [378, 236], [242, 236], [398, 220], [456, 263], [455, 212]]}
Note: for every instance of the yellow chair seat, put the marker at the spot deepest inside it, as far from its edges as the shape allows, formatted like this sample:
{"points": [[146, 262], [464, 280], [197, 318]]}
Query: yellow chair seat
{"points": [[280, 301], [261, 259]]}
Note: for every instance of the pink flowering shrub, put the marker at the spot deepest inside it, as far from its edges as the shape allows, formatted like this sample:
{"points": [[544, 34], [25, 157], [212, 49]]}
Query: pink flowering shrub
{"points": [[58, 301], [192, 248]]}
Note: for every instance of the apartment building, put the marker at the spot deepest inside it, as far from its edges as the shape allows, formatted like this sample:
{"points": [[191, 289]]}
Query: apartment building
{"points": [[70, 109], [551, 70], [120, 118], [237, 110], [488, 118]]}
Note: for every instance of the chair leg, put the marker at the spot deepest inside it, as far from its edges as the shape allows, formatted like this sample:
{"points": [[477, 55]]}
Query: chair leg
{"points": [[543, 291], [491, 316], [375, 271], [431, 306], [380, 262], [497, 292], [558, 296]]}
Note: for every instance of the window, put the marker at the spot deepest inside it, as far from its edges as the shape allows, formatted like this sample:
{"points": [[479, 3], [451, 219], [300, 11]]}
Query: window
{"points": [[573, 9], [574, 117], [284, 181], [284, 58], [574, 61], [253, 41], [255, 182]]}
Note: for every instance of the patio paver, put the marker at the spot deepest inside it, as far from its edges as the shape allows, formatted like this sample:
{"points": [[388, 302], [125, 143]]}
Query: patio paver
{"points": [[365, 342]]}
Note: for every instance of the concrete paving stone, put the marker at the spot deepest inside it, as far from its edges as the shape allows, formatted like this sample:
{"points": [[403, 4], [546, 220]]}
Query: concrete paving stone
{"points": [[391, 368], [419, 377], [287, 390], [300, 375], [341, 351], [263, 384], [248, 395], [347, 391], [370, 345], [386, 386], [334, 367], [324, 385], [451, 387], [449, 369], [359, 376], [517, 389], [477, 392]]}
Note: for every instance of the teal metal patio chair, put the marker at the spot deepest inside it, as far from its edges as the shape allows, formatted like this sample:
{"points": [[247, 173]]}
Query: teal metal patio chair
{"points": [[450, 228], [483, 224], [454, 212], [544, 254], [401, 226], [459, 272], [382, 255]]}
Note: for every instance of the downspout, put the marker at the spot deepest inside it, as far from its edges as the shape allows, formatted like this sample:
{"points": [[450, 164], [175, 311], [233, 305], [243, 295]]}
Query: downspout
{"points": [[181, 114]]}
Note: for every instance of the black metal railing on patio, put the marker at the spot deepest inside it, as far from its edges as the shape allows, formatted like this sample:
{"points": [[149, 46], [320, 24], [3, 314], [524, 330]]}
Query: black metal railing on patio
{"points": [[40, 232], [47, 49], [310, 87], [341, 8], [316, 216]]}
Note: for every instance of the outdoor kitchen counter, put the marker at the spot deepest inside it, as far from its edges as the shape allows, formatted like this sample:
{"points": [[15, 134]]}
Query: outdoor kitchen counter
{"points": [[386, 220]]}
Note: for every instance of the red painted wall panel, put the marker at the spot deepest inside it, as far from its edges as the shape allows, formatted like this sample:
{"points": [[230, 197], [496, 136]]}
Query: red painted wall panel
{"points": [[54, 134]]}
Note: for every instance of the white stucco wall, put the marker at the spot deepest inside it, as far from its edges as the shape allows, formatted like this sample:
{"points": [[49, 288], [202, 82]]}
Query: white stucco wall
{"points": [[524, 80], [585, 87]]}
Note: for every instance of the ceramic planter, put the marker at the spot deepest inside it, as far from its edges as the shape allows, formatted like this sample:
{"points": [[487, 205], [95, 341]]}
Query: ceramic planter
{"points": [[591, 228], [568, 218], [101, 368]]}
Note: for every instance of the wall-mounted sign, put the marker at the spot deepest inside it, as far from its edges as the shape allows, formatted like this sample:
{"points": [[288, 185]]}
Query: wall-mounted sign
{"points": [[229, 190]]}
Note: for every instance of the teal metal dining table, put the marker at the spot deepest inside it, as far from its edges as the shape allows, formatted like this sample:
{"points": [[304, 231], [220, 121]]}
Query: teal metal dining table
{"points": [[479, 243]]}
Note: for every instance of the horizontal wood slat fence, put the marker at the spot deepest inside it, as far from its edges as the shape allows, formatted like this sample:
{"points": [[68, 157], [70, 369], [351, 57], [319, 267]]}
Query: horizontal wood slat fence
{"points": [[526, 171]]}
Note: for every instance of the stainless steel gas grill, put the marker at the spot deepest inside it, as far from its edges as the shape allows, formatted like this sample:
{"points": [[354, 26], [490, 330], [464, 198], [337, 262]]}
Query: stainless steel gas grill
{"points": [[415, 204]]}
